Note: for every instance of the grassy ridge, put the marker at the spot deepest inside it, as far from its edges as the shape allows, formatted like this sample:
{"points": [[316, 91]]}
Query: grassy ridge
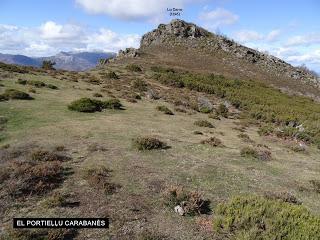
{"points": [[258, 101]]}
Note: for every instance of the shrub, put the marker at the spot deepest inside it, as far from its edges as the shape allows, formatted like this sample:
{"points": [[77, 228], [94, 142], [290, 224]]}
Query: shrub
{"points": [[203, 123], [86, 105], [46, 156], [316, 185], [148, 143], [98, 178], [111, 75], [222, 110], [57, 199], [112, 103], [213, 141], [134, 68], [266, 130], [254, 217], [97, 95], [205, 110], [139, 85], [261, 154], [51, 86], [34, 177], [191, 203], [165, 110], [36, 83], [48, 65], [282, 196], [16, 94], [22, 81]]}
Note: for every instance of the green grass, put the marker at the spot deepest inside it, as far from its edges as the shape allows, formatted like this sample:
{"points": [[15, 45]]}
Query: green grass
{"points": [[254, 217]]}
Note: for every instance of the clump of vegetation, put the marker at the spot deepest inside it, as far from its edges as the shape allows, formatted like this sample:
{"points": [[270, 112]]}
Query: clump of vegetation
{"points": [[46, 156], [255, 217], [148, 143], [282, 196], [197, 133], [86, 105], [140, 85], [57, 199], [112, 103], [213, 141], [48, 65], [40, 234], [203, 123], [261, 154], [92, 105], [51, 86], [14, 68], [97, 95], [315, 185], [22, 81], [205, 110], [33, 178], [14, 94], [222, 110], [191, 202], [111, 75], [99, 178], [165, 110], [134, 68], [36, 83], [298, 148]]}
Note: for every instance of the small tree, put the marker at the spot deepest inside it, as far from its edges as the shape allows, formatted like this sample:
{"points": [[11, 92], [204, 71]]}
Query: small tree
{"points": [[48, 65]]}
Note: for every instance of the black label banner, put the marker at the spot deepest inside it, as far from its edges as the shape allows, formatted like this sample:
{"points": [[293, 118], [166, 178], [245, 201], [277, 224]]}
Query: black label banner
{"points": [[60, 223]]}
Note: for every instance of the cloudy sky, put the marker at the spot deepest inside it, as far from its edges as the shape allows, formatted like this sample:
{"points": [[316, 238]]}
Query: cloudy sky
{"points": [[289, 29]]}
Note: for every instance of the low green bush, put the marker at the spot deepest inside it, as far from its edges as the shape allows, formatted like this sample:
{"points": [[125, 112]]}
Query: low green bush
{"points": [[213, 141], [86, 105], [255, 217], [36, 83], [93, 105], [111, 75], [140, 85], [15, 94]]}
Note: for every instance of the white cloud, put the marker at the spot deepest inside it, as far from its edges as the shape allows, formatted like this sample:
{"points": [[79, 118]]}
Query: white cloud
{"points": [[310, 58], [218, 17], [247, 36], [131, 9], [309, 39], [50, 38], [273, 35]]}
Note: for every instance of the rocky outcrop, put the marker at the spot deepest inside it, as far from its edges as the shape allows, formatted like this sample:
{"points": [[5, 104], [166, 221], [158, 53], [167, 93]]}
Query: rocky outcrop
{"points": [[129, 52], [179, 32]]}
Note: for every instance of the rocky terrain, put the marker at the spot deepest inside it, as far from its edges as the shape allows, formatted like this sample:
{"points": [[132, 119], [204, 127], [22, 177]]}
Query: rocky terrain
{"points": [[239, 61]]}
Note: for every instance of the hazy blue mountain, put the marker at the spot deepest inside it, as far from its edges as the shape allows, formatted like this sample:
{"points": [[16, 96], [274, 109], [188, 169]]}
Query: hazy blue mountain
{"points": [[76, 61]]}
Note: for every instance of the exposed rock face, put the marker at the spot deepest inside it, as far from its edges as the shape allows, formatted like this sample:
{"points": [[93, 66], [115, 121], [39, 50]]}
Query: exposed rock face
{"points": [[176, 29], [128, 52], [179, 32]]}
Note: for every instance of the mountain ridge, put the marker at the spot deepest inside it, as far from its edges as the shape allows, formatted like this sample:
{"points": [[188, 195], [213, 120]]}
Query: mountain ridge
{"points": [[74, 61]]}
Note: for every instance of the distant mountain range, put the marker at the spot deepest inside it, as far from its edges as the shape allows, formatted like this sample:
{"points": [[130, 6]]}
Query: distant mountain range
{"points": [[75, 61]]}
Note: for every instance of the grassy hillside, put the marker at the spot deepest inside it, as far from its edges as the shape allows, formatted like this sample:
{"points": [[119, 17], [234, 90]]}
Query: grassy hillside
{"points": [[175, 141]]}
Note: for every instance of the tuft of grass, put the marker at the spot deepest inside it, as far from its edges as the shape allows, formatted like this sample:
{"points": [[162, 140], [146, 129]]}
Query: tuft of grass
{"points": [[99, 178], [191, 202], [203, 123], [140, 85], [111, 75], [112, 103], [165, 110], [14, 94], [213, 141], [222, 110], [315, 185], [148, 143], [36, 83], [255, 217], [134, 68], [99, 95], [282, 196], [261, 154]]}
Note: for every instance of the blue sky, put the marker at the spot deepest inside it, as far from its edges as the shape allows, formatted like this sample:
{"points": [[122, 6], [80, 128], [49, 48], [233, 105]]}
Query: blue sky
{"points": [[287, 29]]}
